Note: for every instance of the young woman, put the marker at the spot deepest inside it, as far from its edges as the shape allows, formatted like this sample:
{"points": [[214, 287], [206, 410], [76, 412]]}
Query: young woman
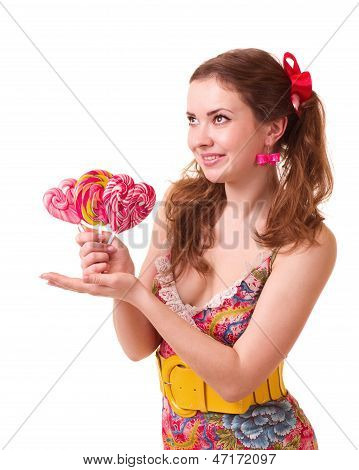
{"points": [[238, 258]]}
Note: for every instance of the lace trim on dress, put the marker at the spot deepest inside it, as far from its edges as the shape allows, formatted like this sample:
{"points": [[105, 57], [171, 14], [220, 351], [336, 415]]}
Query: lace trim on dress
{"points": [[171, 294]]}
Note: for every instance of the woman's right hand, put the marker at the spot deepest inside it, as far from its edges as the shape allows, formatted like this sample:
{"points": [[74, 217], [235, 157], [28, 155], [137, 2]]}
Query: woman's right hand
{"points": [[96, 256]]}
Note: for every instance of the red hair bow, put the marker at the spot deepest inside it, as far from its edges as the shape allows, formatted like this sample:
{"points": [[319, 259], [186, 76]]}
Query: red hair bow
{"points": [[301, 81]]}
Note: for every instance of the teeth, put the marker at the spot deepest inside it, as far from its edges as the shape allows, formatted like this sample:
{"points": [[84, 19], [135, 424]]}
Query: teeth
{"points": [[212, 158]]}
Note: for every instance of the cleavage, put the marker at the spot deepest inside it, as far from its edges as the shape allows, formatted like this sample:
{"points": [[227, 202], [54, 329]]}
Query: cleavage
{"points": [[195, 291]]}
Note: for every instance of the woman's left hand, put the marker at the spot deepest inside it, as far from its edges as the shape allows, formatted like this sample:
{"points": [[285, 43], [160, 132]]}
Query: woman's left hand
{"points": [[121, 286]]}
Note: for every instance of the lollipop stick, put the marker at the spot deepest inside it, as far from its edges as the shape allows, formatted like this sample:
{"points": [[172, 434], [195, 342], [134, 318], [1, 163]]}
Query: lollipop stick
{"points": [[99, 231], [111, 238]]}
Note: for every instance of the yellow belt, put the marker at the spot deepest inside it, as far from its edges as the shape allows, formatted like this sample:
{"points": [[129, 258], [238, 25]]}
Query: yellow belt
{"points": [[188, 393]]}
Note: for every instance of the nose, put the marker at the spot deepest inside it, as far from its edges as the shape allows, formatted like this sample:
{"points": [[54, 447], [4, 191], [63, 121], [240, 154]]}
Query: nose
{"points": [[200, 137]]}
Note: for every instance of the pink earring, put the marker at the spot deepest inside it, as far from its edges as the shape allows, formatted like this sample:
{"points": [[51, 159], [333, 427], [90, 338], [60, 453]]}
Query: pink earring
{"points": [[264, 158]]}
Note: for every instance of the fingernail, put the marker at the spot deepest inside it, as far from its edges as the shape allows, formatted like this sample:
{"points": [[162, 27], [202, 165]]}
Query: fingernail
{"points": [[111, 248]]}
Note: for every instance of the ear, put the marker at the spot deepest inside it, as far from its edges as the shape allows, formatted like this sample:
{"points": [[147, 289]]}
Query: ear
{"points": [[276, 129]]}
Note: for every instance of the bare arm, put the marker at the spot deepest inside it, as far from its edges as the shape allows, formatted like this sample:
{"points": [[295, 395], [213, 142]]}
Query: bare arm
{"points": [[136, 334], [282, 310]]}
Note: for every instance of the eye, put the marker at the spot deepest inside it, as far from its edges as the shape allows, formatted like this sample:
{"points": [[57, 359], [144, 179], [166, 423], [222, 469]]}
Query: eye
{"points": [[189, 119], [215, 117], [221, 115]]}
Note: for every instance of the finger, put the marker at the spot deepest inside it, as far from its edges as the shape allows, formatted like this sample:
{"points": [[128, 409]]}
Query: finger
{"points": [[88, 235], [114, 281], [90, 246], [96, 268], [101, 279], [64, 281], [93, 258], [77, 285], [58, 285], [105, 236], [115, 241], [91, 289], [102, 235]]}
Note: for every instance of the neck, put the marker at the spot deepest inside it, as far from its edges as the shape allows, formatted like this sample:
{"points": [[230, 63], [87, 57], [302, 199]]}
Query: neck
{"points": [[252, 196]]}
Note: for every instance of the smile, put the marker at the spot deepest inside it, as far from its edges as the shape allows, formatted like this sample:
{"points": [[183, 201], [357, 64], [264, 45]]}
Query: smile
{"points": [[211, 160]]}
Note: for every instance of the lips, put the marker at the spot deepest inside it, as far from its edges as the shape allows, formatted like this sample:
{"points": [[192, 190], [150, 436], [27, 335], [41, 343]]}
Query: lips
{"points": [[212, 154], [211, 157], [210, 161]]}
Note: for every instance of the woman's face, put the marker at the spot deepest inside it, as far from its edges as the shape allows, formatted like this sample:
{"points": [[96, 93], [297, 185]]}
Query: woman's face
{"points": [[230, 131]]}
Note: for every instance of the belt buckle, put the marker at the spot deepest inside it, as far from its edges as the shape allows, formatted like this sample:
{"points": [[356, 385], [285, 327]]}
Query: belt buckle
{"points": [[164, 373]]}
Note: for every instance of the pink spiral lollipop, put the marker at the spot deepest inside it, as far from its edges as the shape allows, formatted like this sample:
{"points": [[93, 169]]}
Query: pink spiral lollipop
{"points": [[59, 202], [88, 196], [67, 185], [117, 198], [141, 204], [126, 203]]}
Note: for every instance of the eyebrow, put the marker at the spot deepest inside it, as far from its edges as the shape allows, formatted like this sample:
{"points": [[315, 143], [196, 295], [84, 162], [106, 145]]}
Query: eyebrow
{"points": [[210, 112]]}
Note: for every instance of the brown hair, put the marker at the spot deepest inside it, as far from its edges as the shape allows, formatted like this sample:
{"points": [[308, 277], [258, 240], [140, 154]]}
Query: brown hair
{"points": [[306, 179]]}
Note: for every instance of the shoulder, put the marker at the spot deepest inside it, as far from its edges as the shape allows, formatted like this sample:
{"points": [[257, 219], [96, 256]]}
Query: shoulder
{"points": [[325, 238], [317, 260], [326, 244]]}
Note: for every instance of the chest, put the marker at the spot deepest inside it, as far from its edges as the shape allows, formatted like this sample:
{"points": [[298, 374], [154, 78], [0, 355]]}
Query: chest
{"points": [[229, 266]]}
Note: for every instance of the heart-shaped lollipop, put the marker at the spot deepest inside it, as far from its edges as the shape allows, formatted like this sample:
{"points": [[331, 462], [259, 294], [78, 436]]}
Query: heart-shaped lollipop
{"points": [[141, 204], [59, 202], [127, 203]]}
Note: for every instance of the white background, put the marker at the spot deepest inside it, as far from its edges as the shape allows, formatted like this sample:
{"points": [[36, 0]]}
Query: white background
{"points": [[68, 389]]}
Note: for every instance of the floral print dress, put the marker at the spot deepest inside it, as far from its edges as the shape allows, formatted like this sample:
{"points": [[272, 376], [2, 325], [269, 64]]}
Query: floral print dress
{"points": [[275, 425]]}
